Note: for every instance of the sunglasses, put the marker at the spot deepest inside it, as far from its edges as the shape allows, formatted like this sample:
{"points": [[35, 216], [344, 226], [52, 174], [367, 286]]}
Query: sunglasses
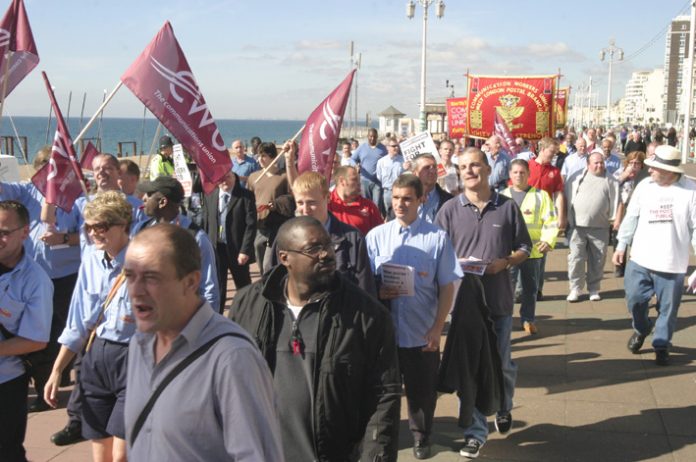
{"points": [[99, 228]]}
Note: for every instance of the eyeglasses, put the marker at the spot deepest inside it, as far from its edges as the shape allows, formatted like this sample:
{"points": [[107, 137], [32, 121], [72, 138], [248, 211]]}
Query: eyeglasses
{"points": [[393, 145], [99, 228], [316, 250], [6, 232]]}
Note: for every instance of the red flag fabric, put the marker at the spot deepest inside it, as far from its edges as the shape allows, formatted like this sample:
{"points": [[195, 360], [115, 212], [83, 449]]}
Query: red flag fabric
{"points": [[60, 180], [501, 129], [88, 156], [320, 135], [17, 44], [162, 79]]}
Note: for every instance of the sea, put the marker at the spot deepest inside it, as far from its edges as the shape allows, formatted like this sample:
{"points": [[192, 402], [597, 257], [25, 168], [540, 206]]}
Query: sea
{"points": [[135, 135]]}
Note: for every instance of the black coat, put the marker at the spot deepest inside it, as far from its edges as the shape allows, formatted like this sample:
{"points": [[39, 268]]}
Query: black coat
{"points": [[357, 385], [471, 365], [240, 224]]}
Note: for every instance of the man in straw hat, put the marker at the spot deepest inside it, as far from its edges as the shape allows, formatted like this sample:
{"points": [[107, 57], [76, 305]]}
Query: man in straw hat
{"points": [[659, 224]]}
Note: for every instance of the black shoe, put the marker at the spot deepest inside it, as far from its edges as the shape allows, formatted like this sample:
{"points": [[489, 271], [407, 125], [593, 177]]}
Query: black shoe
{"points": [[635, 343], [662, 357], [619, 272], [540, 297], [421, 450], [39, 405], [503, 422], [471, 448], [71, 434]]}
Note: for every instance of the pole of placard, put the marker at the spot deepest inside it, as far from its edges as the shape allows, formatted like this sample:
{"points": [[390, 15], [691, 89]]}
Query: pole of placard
{"points": [[97, 114], [152, 150], [292, 140]]}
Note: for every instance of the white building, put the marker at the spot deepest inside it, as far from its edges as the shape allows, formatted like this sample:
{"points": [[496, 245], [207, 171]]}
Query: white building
{"points": [[644, 97]]}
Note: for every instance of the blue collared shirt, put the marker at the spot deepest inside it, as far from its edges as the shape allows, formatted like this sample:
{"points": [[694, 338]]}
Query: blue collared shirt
{"points": [[573, 163], [244, 168], [95, 279], [612, 163], [138, 216], [499, 170], [367, 156], [428, 209], [426, 248], [389, 169], [57, 263], [26, 309]]}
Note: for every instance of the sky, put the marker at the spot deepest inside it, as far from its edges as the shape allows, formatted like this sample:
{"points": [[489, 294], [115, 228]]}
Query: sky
{"points": [[278, 59]]}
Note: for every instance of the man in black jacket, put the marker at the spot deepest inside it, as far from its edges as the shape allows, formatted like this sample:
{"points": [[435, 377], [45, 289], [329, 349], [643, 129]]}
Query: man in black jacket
{"points": [[331, 349], [229, 218]]}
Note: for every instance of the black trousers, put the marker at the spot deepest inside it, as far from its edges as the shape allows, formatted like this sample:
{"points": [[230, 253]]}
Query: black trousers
{"points": [[62, 292], [13, 419], [419, 371], [240, 273]]}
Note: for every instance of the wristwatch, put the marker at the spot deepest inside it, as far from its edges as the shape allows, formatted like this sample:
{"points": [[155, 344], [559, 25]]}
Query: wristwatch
{"points": [[66, 238]]}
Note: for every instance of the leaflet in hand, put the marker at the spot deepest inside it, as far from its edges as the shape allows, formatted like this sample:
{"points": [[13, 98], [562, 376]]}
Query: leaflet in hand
{"points": [[473, 265], [401, 277]]}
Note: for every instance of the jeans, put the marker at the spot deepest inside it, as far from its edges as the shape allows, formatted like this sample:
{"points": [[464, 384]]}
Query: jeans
{"points": [[503, 329], [529, 276], [372, 191], [640, 284]]}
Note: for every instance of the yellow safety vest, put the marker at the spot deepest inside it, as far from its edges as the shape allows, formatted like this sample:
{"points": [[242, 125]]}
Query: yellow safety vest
{"points": [[539, 216]]}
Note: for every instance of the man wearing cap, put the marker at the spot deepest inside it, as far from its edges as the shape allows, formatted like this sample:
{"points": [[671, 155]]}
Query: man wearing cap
{"points": [[242, 164], [659, 224], [163, 197], [162, 164]]}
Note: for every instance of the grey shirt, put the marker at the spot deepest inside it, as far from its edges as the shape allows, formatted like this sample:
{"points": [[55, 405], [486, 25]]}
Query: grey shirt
{"points": [[494, 232], [221, 407], [593, 200]]}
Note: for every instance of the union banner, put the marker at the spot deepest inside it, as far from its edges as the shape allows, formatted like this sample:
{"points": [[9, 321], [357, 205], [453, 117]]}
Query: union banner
{"points": [[560, 107], [456, 117], [524, 103]]}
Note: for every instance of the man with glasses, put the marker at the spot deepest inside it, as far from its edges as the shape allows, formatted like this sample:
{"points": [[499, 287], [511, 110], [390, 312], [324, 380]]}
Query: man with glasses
{"points": [[25, 323], [425, 251], [331, 348], [389, 168]]}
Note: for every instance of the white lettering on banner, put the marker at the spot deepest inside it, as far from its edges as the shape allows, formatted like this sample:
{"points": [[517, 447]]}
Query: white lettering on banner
{"points": [[4, 37], [52, 169], [330, 119], [185, 81], [312, 151]]}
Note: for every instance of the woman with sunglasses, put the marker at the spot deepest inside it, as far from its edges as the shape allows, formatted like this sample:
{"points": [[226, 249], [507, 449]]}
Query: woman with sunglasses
{"points": [[100, 317]]}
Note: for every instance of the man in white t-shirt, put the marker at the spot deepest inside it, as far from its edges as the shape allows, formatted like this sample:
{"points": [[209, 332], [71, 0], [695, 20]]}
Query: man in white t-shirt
{"points": [[659, 225]]}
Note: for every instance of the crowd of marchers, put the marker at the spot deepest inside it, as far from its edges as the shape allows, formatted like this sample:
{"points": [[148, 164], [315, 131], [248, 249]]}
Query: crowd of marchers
{"points": [[359, 273]]}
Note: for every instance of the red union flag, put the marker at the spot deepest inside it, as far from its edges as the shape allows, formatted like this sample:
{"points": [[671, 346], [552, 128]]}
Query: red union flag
{"points": [[162, 79], [456, 117], [60, 179], [524, 103], [88, 156], [18, 55], [508, 142], [320, 135], [560, 107]]}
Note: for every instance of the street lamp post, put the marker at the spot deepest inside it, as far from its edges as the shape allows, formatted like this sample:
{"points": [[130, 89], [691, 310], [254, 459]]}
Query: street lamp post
{"points": [[410, 12], [611, 50]]}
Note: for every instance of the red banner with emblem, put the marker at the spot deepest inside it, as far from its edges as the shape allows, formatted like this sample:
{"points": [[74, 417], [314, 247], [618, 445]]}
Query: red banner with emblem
{"points": [[524, 103], [456, 117], [560, 107]]}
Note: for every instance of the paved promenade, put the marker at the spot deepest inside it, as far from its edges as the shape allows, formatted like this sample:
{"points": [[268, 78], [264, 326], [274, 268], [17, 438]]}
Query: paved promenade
{"points": [[581, 395]]}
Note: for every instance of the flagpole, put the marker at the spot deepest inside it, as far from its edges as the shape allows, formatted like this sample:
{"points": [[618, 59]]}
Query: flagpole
{"points": [[292, 140], [152, 150], [97, 114], [21, 148]]}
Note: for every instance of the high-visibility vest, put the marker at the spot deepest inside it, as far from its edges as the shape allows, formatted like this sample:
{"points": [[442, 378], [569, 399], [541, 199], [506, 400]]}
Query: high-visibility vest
{"points": [[540, 217]]}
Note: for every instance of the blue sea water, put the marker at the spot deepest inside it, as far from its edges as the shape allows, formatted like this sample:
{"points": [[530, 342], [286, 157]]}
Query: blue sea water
{"points": [[115, 130]]}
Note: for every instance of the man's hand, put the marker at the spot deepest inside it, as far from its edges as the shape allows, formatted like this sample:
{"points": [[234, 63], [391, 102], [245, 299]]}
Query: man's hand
{"points": [[433, 338], [543, 247], [618, 258], [496, 266], [388, 293], [242, 259], [51, 238]]}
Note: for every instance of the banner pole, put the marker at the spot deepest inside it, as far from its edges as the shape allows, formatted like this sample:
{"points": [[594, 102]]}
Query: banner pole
{"points": [[21, 148], [96, 115], [292, 140], [152, 150]]}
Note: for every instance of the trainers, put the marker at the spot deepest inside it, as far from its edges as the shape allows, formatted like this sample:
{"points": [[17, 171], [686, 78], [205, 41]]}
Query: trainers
{"points": [[529, 327], [662, 357], [595, 297], [503, 422], [573, 296], [471, 448], [635, 343]]}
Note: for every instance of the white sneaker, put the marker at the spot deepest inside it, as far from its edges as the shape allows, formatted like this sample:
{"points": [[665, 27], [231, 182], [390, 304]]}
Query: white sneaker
{"points": [[594, 297], [573, 296]]}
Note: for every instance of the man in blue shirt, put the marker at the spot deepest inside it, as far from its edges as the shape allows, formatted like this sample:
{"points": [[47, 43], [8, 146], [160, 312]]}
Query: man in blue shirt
{"points": [[499, 160], [424, 255], [389, 168], [163, 201], [25, 321], [367, 156], [242, 164]]}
